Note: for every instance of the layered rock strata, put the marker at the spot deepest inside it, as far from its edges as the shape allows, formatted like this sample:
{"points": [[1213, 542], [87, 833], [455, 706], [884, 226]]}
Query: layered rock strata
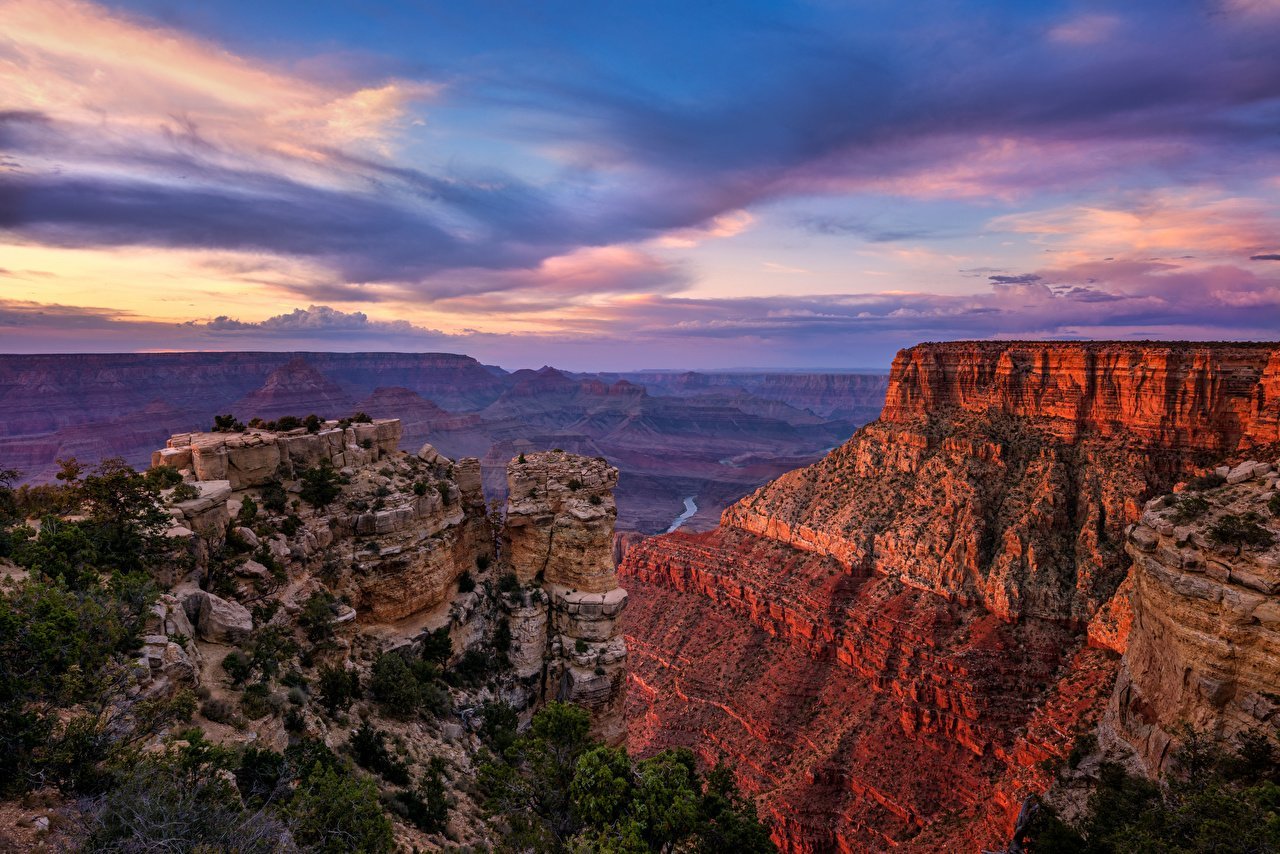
{"points": [[899, 632], [1204, 649], [557, 541], [403, 530]]}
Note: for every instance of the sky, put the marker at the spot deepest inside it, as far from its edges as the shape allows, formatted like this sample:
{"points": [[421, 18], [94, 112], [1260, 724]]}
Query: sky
{"points": [[615, 185]]}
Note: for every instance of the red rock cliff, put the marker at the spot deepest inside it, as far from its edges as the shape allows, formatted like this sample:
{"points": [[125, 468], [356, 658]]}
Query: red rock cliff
{"points": [[898, 632]]}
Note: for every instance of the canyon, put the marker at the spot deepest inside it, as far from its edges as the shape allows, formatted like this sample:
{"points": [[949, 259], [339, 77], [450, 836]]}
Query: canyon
{"points": [[909, 633], [713, 436]]}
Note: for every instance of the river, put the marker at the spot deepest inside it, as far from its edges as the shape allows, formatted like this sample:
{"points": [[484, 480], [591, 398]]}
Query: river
{"points": [[689, 509]]}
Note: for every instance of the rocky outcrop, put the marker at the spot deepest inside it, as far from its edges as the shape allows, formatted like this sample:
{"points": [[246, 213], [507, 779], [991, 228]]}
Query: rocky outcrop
{"points": [[903, 632], [1004, 474], [559, 521], [557, 541], [1204, 649], [256, 457], [396, 540]]}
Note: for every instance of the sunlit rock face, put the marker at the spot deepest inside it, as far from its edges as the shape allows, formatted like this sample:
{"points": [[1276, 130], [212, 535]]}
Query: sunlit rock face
{"points": [[890, 641], [1204, 648]]}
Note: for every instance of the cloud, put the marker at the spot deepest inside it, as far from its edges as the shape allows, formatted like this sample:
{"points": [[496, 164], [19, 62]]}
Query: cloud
{"points": [[1116, 299], [1085, 30], [1266, 256]]}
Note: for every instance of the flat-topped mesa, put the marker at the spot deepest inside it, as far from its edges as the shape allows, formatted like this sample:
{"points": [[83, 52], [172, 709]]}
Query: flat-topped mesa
{"points": [[1185, 395], [1004, 473], [255, 457], [558, 542], [560, 520], [1204, 648]]}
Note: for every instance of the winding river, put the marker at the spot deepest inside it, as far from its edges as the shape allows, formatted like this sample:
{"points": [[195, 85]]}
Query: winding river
{"points": [[689, 509]]}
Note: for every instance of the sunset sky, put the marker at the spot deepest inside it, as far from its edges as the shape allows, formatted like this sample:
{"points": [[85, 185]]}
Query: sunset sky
{"points": [[609, 185]]}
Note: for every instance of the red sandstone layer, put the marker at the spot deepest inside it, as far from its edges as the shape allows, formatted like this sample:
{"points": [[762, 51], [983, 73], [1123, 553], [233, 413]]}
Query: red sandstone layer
{"points": [[888, 643], [864, 713]]}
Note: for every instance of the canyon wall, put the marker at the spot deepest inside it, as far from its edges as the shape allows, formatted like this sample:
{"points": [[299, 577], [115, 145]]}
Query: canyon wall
{"points": [[1204, 647], [902, 629]]}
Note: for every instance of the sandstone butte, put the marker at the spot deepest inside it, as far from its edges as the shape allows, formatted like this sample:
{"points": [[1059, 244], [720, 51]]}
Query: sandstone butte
{"points": [[395, 543], [889, 643]]}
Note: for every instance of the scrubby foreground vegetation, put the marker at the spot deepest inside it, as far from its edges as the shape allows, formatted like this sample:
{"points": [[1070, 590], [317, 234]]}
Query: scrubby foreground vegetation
{"points": [[1214, 800], [283, 744]]}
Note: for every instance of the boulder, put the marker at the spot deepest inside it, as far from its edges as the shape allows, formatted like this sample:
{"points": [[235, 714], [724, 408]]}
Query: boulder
{"points": [[220, 620]]}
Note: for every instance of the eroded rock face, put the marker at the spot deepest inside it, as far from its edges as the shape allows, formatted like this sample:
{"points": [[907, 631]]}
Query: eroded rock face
{"points": [[395, 541], [255, 457], [558, 542], [903, 631], [865, 713], [560, 519], [1205, 644]]}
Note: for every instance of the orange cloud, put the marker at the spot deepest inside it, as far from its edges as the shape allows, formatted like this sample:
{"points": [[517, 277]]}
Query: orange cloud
{"points": [[76, 62], [1192, 222]]}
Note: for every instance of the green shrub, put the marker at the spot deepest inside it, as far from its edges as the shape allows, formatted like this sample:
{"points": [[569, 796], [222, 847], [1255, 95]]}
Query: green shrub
{"points": [[248, 511], [176, 802], [256, 701], [316, 617], [237, 666], [227, 424], [395, 686], [427, 807], [369, 748], [595, 500], [1274, 504], [1212, 480], [1240, 531], [335, 812], [465, 582], [163, 477], [320, 485], [437, 646], [184, 492], [338, 687], [482, 562], [1189, 508], [274, 498], [361, 418], [313, 423], [219, 710], [419, 488], [508, 583]]}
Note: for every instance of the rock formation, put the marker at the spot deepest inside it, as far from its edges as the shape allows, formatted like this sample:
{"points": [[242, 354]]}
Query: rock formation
{"points": [[403, 531], [900, 631], [1204, 649], [558, 543], [396, 541]]}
